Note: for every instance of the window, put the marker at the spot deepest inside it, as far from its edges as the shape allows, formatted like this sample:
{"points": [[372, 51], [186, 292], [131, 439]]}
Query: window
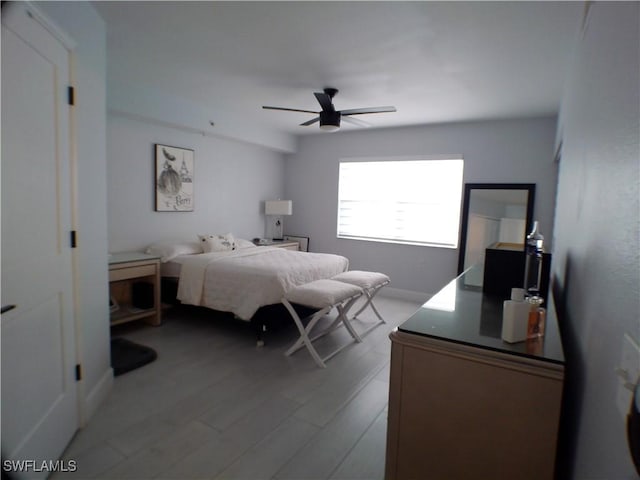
{"points": [[401, 201]]}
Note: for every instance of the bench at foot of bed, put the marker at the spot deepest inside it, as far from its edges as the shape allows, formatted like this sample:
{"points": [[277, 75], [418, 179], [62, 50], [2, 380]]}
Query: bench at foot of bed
{"points": [[370, 283], [321, 296]]}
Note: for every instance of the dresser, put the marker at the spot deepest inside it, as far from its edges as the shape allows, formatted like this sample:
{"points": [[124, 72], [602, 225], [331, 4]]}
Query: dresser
{"points": [[134, 288], [464, 404]]}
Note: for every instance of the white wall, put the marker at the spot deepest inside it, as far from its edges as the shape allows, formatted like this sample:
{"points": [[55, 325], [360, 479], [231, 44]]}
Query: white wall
{"points": [[86, 27], [510, 151], [232, 181], [171, 111], [597, 227]]}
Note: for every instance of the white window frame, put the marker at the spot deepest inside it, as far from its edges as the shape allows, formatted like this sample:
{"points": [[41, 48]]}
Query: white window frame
{"points": [[424, 195]]}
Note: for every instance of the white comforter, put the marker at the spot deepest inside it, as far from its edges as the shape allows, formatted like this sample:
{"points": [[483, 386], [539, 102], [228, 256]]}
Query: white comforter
{"points": [[242, 281]]}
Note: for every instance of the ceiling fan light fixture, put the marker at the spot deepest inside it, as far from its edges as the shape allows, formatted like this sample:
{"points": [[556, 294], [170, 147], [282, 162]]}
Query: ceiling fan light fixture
{"points": [[329, 117], [329, 121]]}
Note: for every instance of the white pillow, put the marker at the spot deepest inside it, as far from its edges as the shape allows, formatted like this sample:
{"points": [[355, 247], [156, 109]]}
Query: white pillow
{"points": [[242, 243], [170, 250], [217, 243]]}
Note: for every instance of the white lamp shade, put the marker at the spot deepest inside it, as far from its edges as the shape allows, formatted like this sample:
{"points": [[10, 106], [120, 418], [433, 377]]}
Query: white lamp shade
{"points": [[278, 207]]}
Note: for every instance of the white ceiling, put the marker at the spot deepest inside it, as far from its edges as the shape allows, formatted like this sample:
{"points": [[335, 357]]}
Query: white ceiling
{"points": [[434, 61]]}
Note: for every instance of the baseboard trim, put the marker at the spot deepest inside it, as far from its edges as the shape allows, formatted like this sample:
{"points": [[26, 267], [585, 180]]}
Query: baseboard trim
{"points": [[98, 394], [409, 295]]}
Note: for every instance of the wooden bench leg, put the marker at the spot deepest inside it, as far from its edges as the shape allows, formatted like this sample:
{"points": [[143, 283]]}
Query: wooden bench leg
{"points": [[342, 316], [370, 295], [305, 340]]}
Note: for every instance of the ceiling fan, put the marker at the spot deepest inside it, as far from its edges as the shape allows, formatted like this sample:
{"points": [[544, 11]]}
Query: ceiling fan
{"points": [[329, 117]]}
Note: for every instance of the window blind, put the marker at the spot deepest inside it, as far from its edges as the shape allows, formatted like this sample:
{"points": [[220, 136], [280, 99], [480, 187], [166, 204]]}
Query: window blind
{"points": [[405, 201]]}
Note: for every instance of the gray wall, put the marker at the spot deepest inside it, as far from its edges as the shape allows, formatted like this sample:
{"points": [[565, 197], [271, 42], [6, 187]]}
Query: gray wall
{"points": [[86, 27], [513, 151], [597, 225], [232, 181]]}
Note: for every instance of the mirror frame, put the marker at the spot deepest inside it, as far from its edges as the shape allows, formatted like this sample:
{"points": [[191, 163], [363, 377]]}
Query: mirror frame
{"points": [[468, 187]]}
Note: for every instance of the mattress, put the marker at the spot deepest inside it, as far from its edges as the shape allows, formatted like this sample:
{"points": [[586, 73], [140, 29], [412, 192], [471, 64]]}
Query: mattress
{"points": [[242, 281], [172, 267]]}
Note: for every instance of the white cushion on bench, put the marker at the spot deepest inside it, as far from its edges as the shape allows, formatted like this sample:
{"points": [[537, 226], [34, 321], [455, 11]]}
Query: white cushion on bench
{"points": [[322, 293], [362, 279]]}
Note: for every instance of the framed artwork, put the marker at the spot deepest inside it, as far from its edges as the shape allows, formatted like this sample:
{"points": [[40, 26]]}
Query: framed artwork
{"points": [[302, 241], [174, 179]]}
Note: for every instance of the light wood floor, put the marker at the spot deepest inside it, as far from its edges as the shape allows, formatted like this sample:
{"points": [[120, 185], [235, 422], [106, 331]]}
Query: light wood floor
{"points": [[215, 406]]}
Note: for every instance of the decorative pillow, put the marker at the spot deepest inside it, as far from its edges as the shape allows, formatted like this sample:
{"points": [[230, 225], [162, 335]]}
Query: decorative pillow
{"points": [[242, 243], [170, 250], [217, 243]]}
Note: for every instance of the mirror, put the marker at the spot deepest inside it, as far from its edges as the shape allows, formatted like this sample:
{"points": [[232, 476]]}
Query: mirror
{"points": [[493, 213]]}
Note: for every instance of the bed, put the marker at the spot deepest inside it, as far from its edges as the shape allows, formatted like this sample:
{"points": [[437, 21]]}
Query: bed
{"points": [[248, 282]]}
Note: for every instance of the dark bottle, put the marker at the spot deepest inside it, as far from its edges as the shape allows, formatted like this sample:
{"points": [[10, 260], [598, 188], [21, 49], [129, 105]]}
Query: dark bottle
{"points": [[533, 265]]}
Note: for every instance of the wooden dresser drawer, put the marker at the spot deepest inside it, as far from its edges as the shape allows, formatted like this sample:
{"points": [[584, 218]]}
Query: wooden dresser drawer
{"points": [[116, 274]]}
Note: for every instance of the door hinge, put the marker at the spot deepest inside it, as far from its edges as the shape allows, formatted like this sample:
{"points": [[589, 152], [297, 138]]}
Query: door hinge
{"points": [[71, 95], [78, 372], [74, 239]]}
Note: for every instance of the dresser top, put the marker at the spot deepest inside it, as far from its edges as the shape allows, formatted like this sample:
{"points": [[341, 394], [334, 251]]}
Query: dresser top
{"points": [[461, 313]]}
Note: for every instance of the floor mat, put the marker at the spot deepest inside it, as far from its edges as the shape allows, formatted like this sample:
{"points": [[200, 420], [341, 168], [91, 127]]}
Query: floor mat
{"points": [[127, 355]]}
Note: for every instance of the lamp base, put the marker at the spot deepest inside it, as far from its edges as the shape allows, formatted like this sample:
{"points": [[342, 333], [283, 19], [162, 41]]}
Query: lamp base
{"points": [[274, 229]]}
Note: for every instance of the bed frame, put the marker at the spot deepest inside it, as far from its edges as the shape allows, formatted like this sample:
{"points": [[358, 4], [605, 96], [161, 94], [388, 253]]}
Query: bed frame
{"points": [[267, 318]]}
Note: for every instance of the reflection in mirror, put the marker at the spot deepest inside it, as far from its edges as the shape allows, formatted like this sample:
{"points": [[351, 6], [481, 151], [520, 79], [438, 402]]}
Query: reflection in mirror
{"points": [[493, 215]]}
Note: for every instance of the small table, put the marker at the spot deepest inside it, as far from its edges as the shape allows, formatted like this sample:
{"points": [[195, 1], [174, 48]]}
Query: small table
{"points": [[286, 244], [129, 271]]}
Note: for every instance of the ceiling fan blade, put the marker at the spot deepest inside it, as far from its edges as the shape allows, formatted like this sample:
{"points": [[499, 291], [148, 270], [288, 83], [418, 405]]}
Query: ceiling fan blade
{"points": [[310, 122], [289, 109], [360, 111], [356, 121], [325, 101]]}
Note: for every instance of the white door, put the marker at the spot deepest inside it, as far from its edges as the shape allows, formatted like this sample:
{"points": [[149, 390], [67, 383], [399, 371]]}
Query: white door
{"points": [[39, 390]]}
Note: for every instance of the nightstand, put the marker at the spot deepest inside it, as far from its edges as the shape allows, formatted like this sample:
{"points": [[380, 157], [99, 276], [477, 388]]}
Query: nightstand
{"points": [[289, 245], [134, 288]]}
